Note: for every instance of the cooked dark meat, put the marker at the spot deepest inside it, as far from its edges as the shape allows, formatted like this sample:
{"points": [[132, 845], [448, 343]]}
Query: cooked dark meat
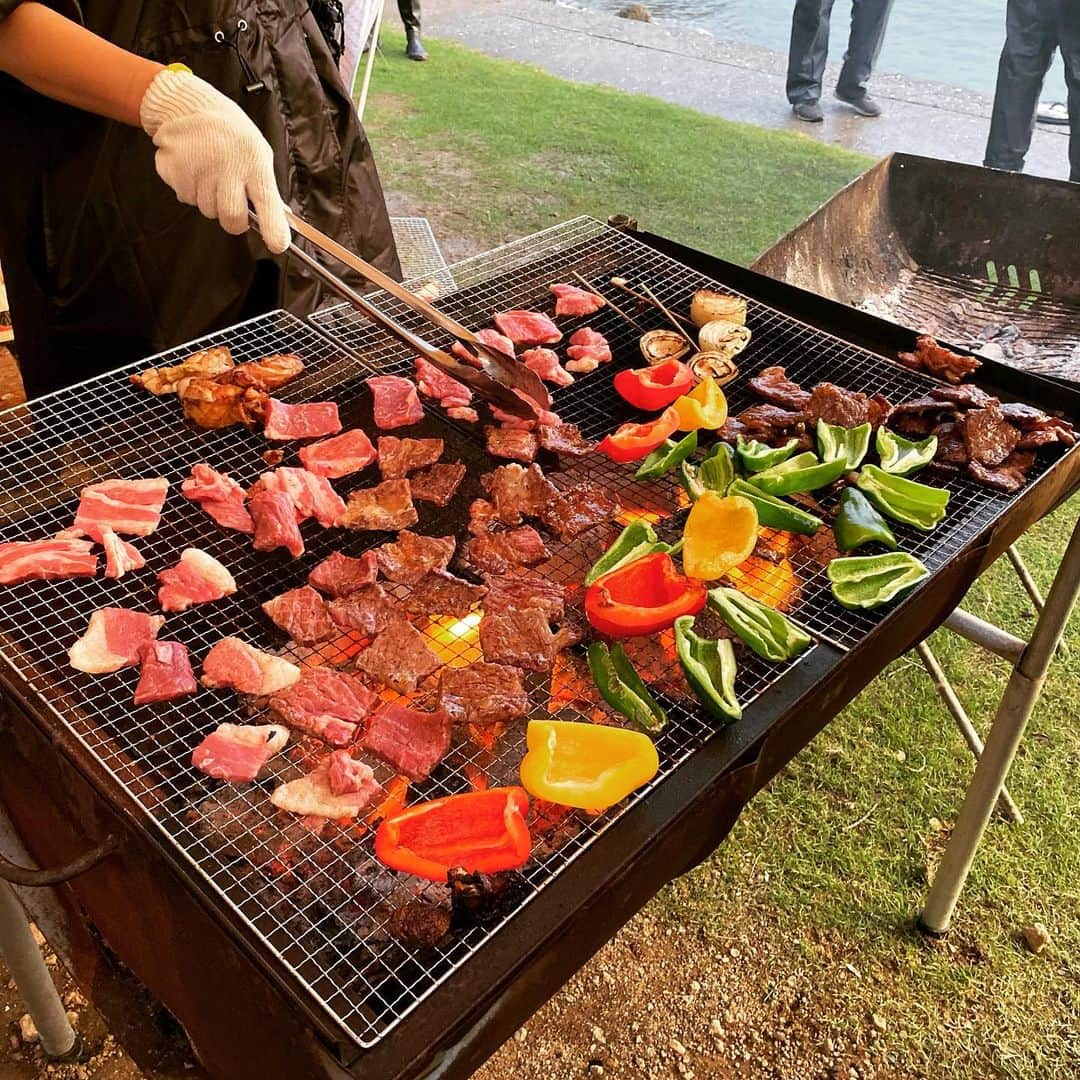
{"points": [[411, 741], [419, 925], [482, 693], [477, 897], [1025, 417], [442, 593], [500, 552], [935, 359], [521, 637], [386, 506], [988, 437], [773, 385], [518, 444], [208, 403], [411, 556], [367, 609], [273, 458], [524, 589], [918, 418], [880, 409], [302, 614], [582, 507], [846, 408], [481, 516], [339, 574], [1040, 437], [951, 449], [763, 422], [967, 396], [516, 492], [399, 457], [207, 363], [399, 657], [1009, 476], [563, 439], [919, 407], [438, 483], [1037, 428]]}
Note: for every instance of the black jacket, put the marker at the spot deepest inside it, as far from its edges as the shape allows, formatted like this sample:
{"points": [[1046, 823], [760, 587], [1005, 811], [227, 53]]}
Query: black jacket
{"points": [[103, 264]]}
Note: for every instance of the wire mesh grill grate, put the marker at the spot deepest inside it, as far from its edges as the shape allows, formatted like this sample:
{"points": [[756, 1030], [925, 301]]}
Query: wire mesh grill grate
{"points": [[319, 902]]}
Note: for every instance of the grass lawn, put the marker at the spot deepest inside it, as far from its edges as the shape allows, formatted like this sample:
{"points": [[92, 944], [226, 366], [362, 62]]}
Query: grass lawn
{"points": [[834, 856]]}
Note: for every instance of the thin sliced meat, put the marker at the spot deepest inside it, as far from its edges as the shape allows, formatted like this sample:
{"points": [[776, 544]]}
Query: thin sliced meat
{"points": [[326, 703], [931, 357], [312, 796], [346, 775], [64, 556], [368, 609], [510, 421], [527, 327], [442, 593], [968, 396], [399, 658], [198, 578], [773, 385], [339, 574], [524, 589], [496, 341], [164, 673], [120, 556], [521, 638], [411, 556], [516, 492], [483, 693], [387, 506], [220, 496], [311, 495], [988, 437], [1009, 476], [238, 752], [570, 300], [302, 614], [338, 456], [502, 552], [399, 457], [587, 350], [408, 740], [113, 639], [437, 483], [310, 420], [545, 363], [464, 413], [268, 372], [443, 388], [131, 507], [846, 408], [578, 509], [274, 516], [396, 403], [514, 443], [236, 665], [165, 380], [563, 439]]}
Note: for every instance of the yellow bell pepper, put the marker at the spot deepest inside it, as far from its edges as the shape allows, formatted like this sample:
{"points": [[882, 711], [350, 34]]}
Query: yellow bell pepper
{"points": [[719, 534], [588, 766], [704, 407]]}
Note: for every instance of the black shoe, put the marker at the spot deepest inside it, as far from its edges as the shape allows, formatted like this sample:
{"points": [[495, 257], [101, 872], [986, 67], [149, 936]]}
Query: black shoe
{"points": [[864, 106], [413, 49], [810, 111]]}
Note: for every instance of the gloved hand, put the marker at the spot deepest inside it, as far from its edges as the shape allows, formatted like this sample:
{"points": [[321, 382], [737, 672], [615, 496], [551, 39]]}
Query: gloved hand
{"points": [[212, 155]]}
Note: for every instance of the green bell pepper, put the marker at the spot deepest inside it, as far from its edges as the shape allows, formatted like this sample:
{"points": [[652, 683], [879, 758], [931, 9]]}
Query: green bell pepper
{"points": [[850, 444], [868, 581], [757, 456], [858, 523], [636, 541], [710, 669], [622, 688], [774, 512], [666, 456], [900, 456], [714, 472], [904, 500], [801, 473], [770, 634]]}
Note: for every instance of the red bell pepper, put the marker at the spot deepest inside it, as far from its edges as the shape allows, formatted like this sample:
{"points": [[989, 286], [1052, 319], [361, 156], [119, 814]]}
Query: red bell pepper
{"points": [[642, 597], [656, 387], [482, 831], [632, 442]]}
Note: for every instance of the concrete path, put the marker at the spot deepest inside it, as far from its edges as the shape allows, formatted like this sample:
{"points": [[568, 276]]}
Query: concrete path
{"points": [[723, 78]]}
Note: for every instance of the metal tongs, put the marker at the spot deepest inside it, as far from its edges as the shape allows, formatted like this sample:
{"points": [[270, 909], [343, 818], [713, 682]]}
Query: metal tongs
{"points": [[499, 379]]}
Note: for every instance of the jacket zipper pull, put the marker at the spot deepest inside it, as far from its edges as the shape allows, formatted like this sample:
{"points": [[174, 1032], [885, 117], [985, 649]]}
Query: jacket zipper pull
{"points": [[252, 83]]}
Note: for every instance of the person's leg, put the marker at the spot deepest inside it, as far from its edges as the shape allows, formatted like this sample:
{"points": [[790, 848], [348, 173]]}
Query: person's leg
{"points": [[409, 10], [1069, 43], [808, 51], [868, 21], [1030, 39]]}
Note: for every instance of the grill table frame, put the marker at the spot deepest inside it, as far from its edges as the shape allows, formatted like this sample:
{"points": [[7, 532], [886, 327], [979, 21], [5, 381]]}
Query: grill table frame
{"points": [[610, 879]]}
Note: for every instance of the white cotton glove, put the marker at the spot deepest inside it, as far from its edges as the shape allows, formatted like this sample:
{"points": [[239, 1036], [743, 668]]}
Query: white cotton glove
{"points": [[213, 156]]}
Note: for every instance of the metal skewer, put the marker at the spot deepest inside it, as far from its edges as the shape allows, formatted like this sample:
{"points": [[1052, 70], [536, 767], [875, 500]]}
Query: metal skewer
{"points": [[622, 284]]}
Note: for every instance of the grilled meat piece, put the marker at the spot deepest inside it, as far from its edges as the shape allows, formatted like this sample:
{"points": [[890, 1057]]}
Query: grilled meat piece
{"points": [[570, 300], [207, 363], [481, 517], [1009, 476], [237, 752], [345, 774], [113, 640], [63, 556], [438, 483], [267, 373], [527, 327], [220, 496], [274, 517], [396, 403], [338, 455], [988, 437], [967, 396], [408, 740], [518, 492], [120, 556], [311, 495], [411, 556], [302, 614], [846, 408], [518, 444], [545, 362], [773, 385], [197, 578], [441, 593], [482, 693], [477, 897], [367, 609], [387, 506], [582, 507], [309, 420], [326, 703], [771, 417], [399, 457], [419, 925], [563, 439], [132, 507], [338, 574], [210, 404], [399, 657], [235, 664], [434, 383], [312, 795], [951, 449], [524, 589], [936, 360], [521, 638], [500, 552]]}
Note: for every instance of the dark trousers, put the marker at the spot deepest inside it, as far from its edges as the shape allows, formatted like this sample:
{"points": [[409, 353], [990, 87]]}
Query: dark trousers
{"points": [[810, 47], [409, 10], [1033, 29]]}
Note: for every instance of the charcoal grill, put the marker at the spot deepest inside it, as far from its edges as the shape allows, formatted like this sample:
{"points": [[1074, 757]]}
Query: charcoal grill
{"points": [[298, 941]]}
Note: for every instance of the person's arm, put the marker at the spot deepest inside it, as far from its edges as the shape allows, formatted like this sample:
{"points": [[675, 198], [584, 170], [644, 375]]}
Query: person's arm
{"points": [[209, 151]]}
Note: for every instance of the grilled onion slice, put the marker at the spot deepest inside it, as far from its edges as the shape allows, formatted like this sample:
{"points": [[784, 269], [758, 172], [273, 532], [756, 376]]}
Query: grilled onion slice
{"points": [[709, 305], [721, 368], [659, 345], [723, 337]]}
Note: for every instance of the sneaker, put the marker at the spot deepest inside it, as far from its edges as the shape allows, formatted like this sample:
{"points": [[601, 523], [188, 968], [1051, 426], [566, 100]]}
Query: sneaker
{"points": [[810, 111], [1052, 112], [864, 106]]}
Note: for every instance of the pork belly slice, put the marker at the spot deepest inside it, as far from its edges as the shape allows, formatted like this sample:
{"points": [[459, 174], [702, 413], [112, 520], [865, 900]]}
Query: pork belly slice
{"points": [[438, 483], [435, 383], [563, 439], [311, 495], [408, 740], [268, 372], [131, 507], [368, 610], [346, 775], [386, 507], [521, 638], [339, 574], [220, 496], [311, 420], [339, 456], [234, 664], [441, 593], [120, 556], [570, 300], [197, 578], [327, 703], [164, 673], [302, 614], [312, 796], [527, 327], [483, 693], [407, 559], [502, 552], [518, 444], [395, 401], [545, 362], [399, 657], [274, 518], [113, 639], [399, 457], [238, 752], [46, 560]]}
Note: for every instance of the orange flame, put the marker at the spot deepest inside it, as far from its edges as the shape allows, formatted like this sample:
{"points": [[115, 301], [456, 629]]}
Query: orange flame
{"points": [[456, 641]]}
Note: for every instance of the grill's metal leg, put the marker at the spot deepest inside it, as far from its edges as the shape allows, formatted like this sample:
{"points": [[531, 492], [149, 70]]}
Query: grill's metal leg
{"points": [[1020, 696], [27, 967], [948, 695], [1022, 572]]}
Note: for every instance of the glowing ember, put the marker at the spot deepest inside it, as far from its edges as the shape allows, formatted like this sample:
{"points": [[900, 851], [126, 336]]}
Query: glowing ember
{"points": [[630, 514], [397, 791], [456, 642], [478, 780], [776, 584]]}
